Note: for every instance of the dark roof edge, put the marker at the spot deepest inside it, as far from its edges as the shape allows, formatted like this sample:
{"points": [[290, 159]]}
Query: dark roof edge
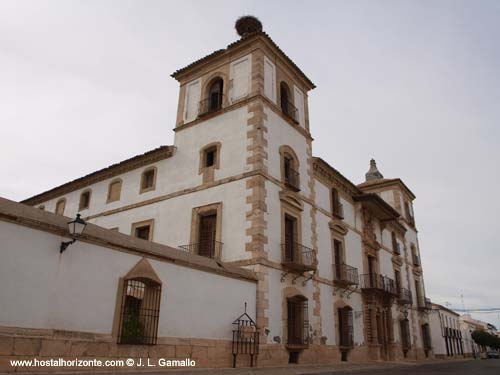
{"points": [[340, 175], [32, 217], [379, 202], [160, 153], [237, 43]]}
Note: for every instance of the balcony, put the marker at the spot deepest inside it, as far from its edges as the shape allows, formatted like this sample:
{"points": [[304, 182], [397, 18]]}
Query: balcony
{"points": [[424, 303], [290, 111], [209, 249], [344, 275], [292, 178], [211, 104], [405, 297], [376, 282], [297, 257], [338, 210]]}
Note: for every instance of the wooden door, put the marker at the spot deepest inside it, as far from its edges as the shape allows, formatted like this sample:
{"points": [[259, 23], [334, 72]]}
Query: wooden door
{"points": [[206, 240], [337, 248], [290, 229]]}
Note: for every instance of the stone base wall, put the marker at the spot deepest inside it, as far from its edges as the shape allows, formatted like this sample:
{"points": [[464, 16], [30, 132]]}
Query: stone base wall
{"points": [[27, 344]]}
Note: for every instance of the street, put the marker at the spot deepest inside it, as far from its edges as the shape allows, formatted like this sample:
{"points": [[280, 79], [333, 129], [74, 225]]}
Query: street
{"points": [[475, 367]]}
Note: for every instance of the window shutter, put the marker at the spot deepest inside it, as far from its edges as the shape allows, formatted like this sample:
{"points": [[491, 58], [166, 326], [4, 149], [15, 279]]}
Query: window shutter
{"points": [[269, 80], [240, 78], [193, 93], [299, 104]]}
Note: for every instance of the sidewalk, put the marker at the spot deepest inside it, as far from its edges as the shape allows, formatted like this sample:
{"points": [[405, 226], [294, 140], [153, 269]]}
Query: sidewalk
{"points": [[282, 370]]}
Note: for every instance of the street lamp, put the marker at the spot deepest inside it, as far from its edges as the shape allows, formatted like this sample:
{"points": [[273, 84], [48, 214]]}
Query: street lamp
{"points": [[76, 228]]}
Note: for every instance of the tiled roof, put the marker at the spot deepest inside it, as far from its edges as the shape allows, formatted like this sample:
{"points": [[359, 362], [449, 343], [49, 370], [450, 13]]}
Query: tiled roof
{"points": [[137, 161], [238, 43]]}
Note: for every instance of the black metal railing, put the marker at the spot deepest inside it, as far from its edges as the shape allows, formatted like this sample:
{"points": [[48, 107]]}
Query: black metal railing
{"points": [[290, 111], [378, 282], [405, 297], [292, 178], [297, 256], [338, 209], [211, 104], [140, 312], [347, 337], [209, 249], [345, 274]]}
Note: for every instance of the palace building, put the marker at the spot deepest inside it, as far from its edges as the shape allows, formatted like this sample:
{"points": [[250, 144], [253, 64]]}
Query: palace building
{"points": [[237, 219]]}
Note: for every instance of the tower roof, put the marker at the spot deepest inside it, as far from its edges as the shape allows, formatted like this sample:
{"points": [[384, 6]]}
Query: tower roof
{"points": [[250, 30], [373, 173]]}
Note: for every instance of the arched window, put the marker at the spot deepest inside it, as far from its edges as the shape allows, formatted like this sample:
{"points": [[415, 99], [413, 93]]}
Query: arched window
{"points": [[215, 93], [114, 190], [289, 167], [84, 200], [148, 180], [60, 205]]}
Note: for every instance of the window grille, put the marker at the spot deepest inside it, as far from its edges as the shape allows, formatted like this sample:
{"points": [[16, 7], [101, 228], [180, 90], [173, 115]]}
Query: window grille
{"points": [[140, 312]]}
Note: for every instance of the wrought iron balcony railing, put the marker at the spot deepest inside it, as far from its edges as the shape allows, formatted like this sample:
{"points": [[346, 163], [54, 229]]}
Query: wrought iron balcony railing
{"points": [[292, 178], [211, 104], [298, 257], [290, 111], [209, 249], [405, 297], [373, 281], [345, 275], [338, 210]]}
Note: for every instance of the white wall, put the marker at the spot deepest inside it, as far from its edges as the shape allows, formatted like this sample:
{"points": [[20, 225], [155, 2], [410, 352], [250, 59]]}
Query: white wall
{"points": [[77, 290]]}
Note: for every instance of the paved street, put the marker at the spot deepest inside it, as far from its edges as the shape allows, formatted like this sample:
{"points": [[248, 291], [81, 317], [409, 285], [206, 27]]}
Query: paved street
{"points": [[478, 367]]}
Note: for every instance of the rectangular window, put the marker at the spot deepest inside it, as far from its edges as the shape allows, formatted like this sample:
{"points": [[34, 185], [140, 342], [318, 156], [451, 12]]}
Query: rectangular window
{"points": [[210, 157], [148, 180], [143, 230]]}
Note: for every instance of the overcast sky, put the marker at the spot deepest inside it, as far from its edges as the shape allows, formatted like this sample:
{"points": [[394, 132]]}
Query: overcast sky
{"points": [[414, 84]]}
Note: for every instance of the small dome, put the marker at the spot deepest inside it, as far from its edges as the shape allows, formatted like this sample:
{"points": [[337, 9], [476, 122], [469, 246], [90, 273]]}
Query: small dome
{"points": [[247, 25]]}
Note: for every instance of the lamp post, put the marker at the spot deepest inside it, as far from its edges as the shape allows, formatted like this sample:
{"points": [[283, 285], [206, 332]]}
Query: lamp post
{"points": [[76, 228]]}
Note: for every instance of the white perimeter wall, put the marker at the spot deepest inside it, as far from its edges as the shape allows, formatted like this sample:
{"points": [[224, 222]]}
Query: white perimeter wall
{"points": [[77, 290]]}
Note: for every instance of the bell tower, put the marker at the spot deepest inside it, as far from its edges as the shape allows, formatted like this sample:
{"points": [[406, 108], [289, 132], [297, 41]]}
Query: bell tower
{"points": [[243, 120]]}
